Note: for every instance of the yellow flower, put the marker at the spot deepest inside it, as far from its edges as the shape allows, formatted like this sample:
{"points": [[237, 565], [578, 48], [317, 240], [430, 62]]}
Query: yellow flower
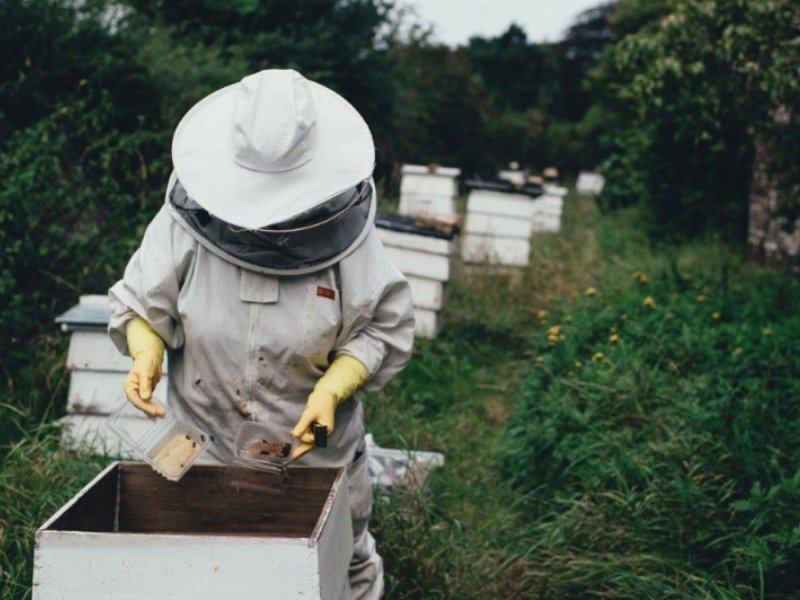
{"points": [[623, 317], [554, 330], [578, 364], [640, 276], [767, 332], [541, 314], [613, 338], [598, 356], [538, 360], [568, 319], [590, 291], [701, 298], [613, 329], [650, 302], [738, 351], [715, 315]]}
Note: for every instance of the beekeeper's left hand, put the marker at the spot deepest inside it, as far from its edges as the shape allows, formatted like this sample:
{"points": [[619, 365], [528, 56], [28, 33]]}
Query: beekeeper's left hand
{"points": [[345, 375]]}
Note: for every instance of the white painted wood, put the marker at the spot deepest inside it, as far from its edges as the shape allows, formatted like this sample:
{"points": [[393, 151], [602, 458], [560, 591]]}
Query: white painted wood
{"points": [[590, 183], [102, 392], [426, 293], [543, 225], [555, 190], [83, 565], [93, 351], [428, 184], [412, 241], [428, 322], [502, 251], [334, 542], [94, 300], [91, 434], [498, 226], [414, 203], [451, 172], [517, 177], [80, 565], [499, 203], [421, 264]]}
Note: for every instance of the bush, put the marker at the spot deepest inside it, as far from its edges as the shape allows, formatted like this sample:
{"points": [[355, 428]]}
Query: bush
{"points": [[658, 439]]}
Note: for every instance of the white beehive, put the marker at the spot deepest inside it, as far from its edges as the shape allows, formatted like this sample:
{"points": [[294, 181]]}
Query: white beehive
{"points": [[132, 534], [498, 228], [425, 257], [547, 214], [428, 189], [590, 183], [97, 377]]}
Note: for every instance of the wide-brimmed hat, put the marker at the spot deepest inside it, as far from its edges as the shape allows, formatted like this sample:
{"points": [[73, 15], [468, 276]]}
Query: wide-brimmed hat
{"points": [[269, 148]]}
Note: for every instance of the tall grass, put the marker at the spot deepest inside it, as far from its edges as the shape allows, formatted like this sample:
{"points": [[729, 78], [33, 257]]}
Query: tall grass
{"points": [[667, 467]]}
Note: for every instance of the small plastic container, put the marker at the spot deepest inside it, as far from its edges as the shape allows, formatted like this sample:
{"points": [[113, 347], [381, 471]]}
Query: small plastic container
{"points": [[261, 453], [168, 444]]}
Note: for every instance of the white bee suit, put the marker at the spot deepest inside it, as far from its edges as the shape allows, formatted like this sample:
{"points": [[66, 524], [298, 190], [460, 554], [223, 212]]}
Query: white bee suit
{"points": [[245, 345]]}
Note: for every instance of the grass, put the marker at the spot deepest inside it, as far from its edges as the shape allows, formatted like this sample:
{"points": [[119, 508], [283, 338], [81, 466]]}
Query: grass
{"points": [[667, 467]]}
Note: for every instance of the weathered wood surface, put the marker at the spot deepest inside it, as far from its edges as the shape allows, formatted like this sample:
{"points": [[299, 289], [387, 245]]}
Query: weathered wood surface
{"points": [[502, 251], [77, 563]]}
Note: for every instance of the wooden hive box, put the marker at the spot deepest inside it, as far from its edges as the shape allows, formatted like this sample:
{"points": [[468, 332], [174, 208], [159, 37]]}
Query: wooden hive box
{"points": [[425, 257], [97, 377], [132, 534], [428, 189], [498, 228]]}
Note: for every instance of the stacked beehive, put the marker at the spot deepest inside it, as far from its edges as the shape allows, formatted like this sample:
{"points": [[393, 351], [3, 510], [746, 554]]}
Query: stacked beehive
{"points": [[97, 376], [498, 225], [425, 257], [428, 189], [590, 183]]}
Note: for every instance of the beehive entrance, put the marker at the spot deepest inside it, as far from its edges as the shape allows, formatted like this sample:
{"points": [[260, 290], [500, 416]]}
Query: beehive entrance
{"points": [[132, 498]]}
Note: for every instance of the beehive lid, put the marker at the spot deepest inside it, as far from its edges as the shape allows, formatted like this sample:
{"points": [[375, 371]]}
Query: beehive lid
{"points": [[90, 314], [407, 224]]}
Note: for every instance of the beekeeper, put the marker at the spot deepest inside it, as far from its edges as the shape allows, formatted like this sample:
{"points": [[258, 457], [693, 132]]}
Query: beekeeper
{"points": [[263, 276]]}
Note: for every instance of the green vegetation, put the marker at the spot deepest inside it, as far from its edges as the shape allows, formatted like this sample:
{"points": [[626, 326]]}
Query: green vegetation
{"points": [[620, 419]]}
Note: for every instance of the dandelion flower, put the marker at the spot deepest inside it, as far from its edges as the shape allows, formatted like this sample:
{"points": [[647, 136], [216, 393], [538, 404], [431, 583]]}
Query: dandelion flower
{"points": [[590, 291], [578, 364], [597, 356], [650, 302], [538, 360], [715, 315], [701, 298], [554, 330], [640, 276], [541, 314], [613, 338]]}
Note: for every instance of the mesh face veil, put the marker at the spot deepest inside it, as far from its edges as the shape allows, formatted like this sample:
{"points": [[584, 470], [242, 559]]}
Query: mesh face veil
{"points": [[311, 240]]}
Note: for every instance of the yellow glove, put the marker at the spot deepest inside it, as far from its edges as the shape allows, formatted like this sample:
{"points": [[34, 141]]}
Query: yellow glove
{"points": [[147, 350], [345, 375]]}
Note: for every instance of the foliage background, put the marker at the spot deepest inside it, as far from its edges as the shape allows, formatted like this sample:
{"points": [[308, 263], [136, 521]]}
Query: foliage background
{"points": [[668, 465]]}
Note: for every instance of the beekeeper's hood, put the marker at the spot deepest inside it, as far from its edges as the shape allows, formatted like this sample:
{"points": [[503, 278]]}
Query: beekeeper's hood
{"points": [[274, 173]]}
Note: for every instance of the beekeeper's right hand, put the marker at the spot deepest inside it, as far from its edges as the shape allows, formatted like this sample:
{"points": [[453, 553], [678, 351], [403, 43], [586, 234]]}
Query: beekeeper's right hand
{"points": [[147, 350]]}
